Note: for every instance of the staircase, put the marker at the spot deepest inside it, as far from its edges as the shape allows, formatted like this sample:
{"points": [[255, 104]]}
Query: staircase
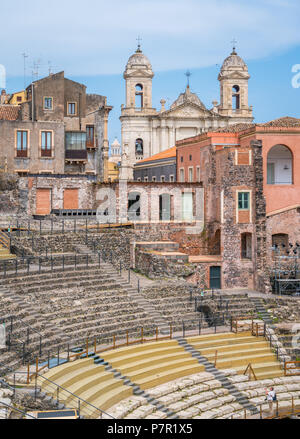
{"points": [[5, 246], [261, 310]]}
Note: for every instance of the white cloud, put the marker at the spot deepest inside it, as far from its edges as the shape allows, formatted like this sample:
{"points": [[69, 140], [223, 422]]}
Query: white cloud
{"points": [[97, 36]]}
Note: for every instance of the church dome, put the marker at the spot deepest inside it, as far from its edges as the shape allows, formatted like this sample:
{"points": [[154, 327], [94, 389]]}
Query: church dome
{"points": [[138, 60], [234, 62]]}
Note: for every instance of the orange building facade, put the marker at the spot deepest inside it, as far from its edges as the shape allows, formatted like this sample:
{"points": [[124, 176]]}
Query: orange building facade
{"points": [[251, 178]]}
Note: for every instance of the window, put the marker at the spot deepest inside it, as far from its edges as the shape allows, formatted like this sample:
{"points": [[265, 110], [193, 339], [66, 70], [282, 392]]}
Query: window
{"points": [[171, 178], [190, 174], [139, 148], [181, 175], [243, 201], [235, 97], [76, 145], [71, 108], [22, 143], [162, 179], [191, 157], [198, 174], [90, 132], [280, 165], [48, 103], [145, 178], [187, 206], [19, 98], [139, 179], [181, 159], [134, 206], [46, 143], [139, 96], [153, 178], [164, 207]]}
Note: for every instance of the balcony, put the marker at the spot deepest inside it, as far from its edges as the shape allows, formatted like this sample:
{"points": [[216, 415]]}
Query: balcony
{"points": [[76, 155], [21, 153], [75, 146]]}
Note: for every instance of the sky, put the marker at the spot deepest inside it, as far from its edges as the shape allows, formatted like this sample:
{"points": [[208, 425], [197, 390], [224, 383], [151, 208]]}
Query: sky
{"points": [[92, 42]]}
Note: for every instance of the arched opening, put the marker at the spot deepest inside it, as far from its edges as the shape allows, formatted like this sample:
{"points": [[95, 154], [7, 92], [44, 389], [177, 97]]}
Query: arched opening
{"points": [[164, 207], [280, 165], [139, 101], [134, 206], [246, 245], [280, 240], [139, 149], [235, 97]]}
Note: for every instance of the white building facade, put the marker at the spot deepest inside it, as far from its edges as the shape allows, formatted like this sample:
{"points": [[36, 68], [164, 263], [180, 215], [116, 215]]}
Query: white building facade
{"points": [[146, 131]]}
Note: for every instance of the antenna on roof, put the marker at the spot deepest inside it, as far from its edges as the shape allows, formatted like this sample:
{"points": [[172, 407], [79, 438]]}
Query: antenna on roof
{"points": [[36, 66], [24, 56]]}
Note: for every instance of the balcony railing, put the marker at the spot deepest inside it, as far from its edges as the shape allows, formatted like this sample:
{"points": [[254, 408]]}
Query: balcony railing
{"points": [[22, 153], [79, 154], [46, 153]]}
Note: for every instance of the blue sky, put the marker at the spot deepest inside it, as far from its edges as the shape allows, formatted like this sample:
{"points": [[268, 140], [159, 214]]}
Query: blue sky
{"points": [[92, 41]]}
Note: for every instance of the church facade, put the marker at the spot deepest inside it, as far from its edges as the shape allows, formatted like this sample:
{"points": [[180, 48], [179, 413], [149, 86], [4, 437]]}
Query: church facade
{"points": [[146, 131]]}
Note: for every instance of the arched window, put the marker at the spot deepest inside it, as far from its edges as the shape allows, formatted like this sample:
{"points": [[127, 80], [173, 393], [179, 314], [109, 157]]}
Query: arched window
{"points": [[134, 206], [139, 96], [280, 165], [139, 148], [235, 97]]}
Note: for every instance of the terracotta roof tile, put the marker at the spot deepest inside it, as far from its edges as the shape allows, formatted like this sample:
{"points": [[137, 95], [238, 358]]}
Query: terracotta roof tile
{"points": [[9, 112], [284, 122], [235, 128]]}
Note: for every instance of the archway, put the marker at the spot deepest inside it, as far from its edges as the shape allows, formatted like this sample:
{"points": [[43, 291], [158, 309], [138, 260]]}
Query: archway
{"points": [[280, 165]]}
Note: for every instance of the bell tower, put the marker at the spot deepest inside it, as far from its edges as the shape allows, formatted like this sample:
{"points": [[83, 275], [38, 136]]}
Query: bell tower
{"points": [[234, 77], [138, 76]]}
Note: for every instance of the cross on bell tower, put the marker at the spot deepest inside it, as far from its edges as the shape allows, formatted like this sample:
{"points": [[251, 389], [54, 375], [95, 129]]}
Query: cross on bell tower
{"points": [[234, 42], [139, 39], [188, 75]]}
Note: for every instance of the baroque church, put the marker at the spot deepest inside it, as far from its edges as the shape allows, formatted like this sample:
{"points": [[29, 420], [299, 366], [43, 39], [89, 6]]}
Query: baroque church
{"points": [[146, 131]]}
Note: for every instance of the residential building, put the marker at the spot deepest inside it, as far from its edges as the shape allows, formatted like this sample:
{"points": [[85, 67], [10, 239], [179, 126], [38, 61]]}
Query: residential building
{"points": [[59, 129]]}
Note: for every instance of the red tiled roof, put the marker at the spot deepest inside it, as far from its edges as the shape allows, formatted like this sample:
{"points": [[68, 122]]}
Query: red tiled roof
{"points": [[235, 128], [168, 153], [9, 112], [284, 122]]}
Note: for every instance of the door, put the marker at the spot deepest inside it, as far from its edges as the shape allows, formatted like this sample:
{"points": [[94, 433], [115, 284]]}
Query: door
{"points": [[43, 201], [215, 278], [71, 199]]}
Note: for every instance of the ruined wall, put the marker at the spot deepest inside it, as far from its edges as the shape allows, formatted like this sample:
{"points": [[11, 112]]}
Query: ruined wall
{"points": [[13, 197]]}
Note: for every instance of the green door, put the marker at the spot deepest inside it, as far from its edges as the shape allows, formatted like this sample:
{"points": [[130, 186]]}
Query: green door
{"points": [[215, 278]]}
